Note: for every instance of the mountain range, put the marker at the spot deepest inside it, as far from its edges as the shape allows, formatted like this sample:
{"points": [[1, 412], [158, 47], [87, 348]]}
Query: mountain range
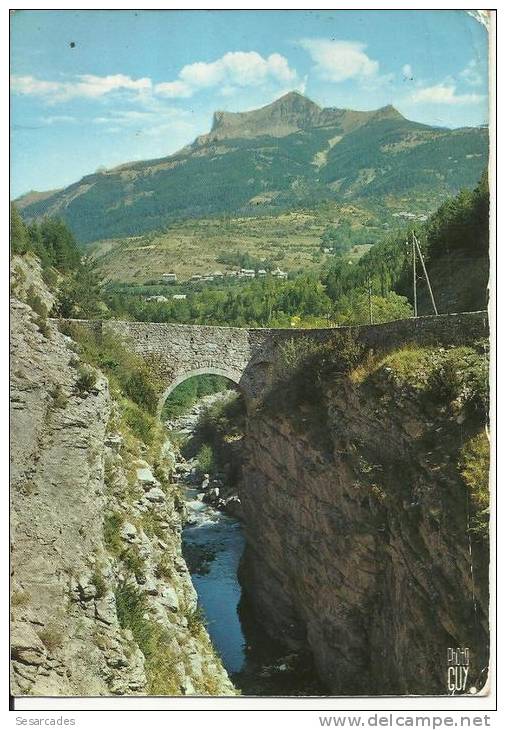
{"points": [[287, 154]]}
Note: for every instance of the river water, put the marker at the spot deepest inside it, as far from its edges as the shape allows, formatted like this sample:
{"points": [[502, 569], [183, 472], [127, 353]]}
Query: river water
{"points": [[213, 544]]}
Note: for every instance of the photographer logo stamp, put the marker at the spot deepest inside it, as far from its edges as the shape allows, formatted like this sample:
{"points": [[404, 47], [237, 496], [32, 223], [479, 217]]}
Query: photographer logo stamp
{"points": [[457, 669]]}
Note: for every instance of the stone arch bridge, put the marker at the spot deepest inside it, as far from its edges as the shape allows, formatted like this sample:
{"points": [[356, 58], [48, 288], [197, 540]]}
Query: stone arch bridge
{"points": [[176, 352]]}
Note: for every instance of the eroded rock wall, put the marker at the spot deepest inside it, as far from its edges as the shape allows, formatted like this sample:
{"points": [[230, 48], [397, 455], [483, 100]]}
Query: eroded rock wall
{"points": [[357, 540], [68, 477]]}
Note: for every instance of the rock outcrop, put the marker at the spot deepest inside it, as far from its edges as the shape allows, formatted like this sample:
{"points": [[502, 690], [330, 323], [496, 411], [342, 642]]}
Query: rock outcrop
{"points": [[291, 113], [95, 540], [357, 538]]}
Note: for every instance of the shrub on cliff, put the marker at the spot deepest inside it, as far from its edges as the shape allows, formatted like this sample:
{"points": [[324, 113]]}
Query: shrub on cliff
{"points": [[142, 424], [152, 639], [86, 380], [221, 421], [305, 368], [303, 372], [126, 370], [461, 373], [139, 388], [474, 466], [79, 296], [445, 375], [205, 459]]}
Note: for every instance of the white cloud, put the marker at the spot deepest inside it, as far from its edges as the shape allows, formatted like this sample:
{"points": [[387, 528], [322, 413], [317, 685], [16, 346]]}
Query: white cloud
{"points": [[174, 89], [407, 71], [443, 94], [85, 85], [58, 119], [133, 117], [235, 69], [158, 121], [470, 74], [340, 60]]}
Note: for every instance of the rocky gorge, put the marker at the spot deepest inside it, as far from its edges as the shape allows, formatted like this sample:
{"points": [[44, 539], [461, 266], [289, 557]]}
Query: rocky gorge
{"points": [[360, 543], [357, 505], [102, 601]]}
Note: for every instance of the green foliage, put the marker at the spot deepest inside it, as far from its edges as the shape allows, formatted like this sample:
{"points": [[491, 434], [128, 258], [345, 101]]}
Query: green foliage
{"points": [[339, 294], [133, 561], [79, 296], [474, 465], [98, 580], [445, 375], [196, 619], [130, 381], [39, 309], [152, 526], [220, 428], [338, 239], [411, 363], [260, 302], [127, 371], [374, 161], [112, 538], [205, 459], [50, 239], [224, 419], [164, 569], [131, 605], [354, 308], [139, 388], [141, 423], [304, 370], [35, 302], [460, 372], [60, 399], [191, 390], [461, 223], [74, 280], [20, 242], [243, 260], [86, 380], [59, 243], [152, 639]]}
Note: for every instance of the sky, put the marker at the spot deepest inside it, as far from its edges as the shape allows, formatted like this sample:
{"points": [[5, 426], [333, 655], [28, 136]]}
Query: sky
{"points": [[93, 89]]}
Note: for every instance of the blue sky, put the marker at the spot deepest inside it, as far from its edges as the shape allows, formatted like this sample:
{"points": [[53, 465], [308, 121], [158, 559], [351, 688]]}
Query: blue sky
{"points": [[141, 84]]}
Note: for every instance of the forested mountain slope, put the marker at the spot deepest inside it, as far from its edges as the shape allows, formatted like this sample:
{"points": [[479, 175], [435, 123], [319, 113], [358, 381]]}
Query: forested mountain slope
{"points": [[287, 154]]}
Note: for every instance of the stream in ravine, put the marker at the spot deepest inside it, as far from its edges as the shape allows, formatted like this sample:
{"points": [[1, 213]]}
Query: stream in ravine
{"points": [[213, 543]]}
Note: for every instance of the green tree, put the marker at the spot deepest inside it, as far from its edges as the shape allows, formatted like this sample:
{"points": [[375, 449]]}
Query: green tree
{"points": [[80, 294], [20, 240], [58, 240]]}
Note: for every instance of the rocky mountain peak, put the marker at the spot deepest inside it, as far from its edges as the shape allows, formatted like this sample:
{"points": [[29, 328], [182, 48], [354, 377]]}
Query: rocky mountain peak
{"points": [[290, 113], [286, 115], [388, 112]]}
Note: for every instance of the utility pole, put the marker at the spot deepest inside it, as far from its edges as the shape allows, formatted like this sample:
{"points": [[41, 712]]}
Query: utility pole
{"points": [[425, 272], [369, 291], [413, 251]]}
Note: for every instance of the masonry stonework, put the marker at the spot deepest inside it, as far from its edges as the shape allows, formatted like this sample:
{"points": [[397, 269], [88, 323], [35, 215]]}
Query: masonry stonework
{"points": [[176, 352]]}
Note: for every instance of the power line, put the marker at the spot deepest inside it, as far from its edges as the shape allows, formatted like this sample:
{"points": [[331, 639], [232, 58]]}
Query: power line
{"points": [[413, 251], [415, 241]]}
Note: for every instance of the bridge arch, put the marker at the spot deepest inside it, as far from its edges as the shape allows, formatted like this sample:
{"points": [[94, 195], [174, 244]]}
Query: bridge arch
{"points": [[187, 374]]}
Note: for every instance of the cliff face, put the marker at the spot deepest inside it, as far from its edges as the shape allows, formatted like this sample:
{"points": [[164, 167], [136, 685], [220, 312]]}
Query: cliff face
{"points": [[291, 113], [357, 539], [102, 601]]}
